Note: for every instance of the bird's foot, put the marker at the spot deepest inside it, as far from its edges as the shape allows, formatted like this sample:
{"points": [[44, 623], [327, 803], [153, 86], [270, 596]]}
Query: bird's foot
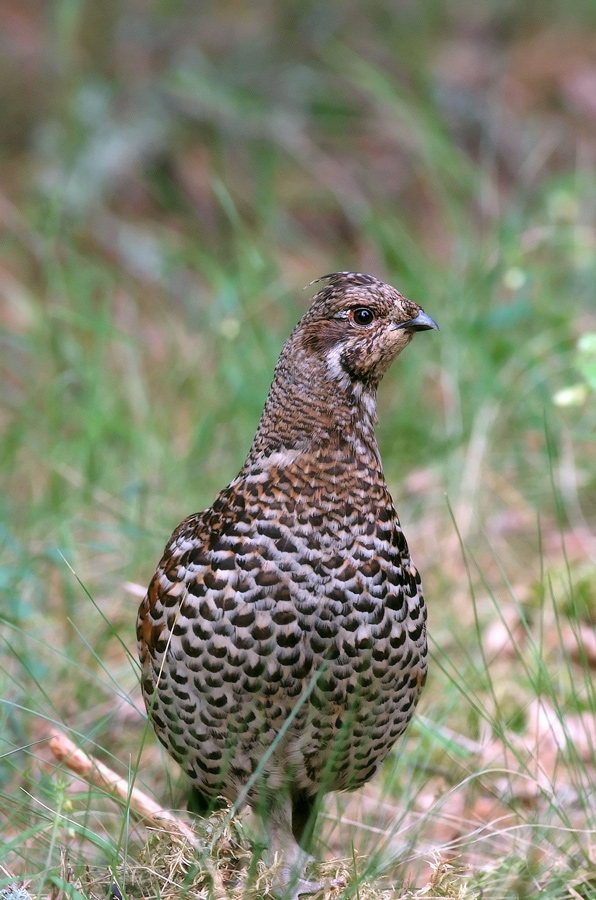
{"points": [[288, 885]]}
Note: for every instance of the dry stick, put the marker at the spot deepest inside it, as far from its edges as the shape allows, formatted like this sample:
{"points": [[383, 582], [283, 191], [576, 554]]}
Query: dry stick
{"points": [[95, 772]]}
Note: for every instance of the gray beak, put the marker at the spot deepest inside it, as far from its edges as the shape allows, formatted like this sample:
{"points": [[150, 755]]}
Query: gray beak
{"points": [[422, 322]]}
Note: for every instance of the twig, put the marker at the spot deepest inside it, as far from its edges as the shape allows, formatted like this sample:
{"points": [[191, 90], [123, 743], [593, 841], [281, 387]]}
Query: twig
{"points": [[96, 773]]}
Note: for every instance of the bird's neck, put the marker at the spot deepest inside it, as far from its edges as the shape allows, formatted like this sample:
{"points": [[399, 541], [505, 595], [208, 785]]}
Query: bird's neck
{"points": [[306, 418]]}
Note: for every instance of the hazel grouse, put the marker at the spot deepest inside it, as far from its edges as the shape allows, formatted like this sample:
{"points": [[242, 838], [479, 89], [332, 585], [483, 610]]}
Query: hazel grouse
{"points": [[283, 636]]}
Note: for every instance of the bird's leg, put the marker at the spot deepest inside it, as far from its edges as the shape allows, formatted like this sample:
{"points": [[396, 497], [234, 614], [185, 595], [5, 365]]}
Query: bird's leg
{"points": [[303, 818], [289, 883]]}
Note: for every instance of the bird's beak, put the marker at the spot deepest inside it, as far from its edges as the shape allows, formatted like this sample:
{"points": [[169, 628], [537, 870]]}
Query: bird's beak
{"points": [[422, 322]]}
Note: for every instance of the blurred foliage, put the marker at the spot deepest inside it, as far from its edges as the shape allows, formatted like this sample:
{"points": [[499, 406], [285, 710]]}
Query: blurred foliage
{"points": [[172, 174]]}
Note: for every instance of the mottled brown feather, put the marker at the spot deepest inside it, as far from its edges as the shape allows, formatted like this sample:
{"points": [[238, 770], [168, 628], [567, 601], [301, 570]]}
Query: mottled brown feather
{"points": [[294, 593]]}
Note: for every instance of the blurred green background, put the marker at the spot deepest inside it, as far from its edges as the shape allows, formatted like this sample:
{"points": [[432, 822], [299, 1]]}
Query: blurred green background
{"points": [[171, 175]]}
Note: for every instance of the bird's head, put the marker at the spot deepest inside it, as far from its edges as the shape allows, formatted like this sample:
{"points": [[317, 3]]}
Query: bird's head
{"points": [[326, 377], [355, 328]]}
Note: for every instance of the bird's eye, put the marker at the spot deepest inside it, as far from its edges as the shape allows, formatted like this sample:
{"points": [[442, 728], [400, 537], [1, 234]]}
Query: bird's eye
{"points": [[362, 316]]}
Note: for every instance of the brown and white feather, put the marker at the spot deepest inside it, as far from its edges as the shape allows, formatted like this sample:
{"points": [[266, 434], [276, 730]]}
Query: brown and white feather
{"points": [[295, 592]]}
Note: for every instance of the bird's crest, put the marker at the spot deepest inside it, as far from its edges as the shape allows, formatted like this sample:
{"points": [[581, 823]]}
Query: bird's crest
{"points": [[338, 279]]}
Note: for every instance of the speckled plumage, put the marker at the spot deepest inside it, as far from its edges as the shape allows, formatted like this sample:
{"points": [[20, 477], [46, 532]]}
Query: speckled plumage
{"points": [[294, 595]]}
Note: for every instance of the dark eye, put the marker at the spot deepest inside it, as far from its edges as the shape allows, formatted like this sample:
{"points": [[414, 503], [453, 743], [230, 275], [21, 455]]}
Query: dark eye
{"points": [[362, 316]]}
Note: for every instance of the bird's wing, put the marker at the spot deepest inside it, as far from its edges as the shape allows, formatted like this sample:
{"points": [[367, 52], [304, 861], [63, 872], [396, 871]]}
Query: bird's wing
{"points": [[186, 565]]}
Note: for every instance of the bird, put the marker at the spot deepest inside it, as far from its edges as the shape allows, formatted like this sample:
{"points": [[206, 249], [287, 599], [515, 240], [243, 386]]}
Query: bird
{"points": [[282, 639]]}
